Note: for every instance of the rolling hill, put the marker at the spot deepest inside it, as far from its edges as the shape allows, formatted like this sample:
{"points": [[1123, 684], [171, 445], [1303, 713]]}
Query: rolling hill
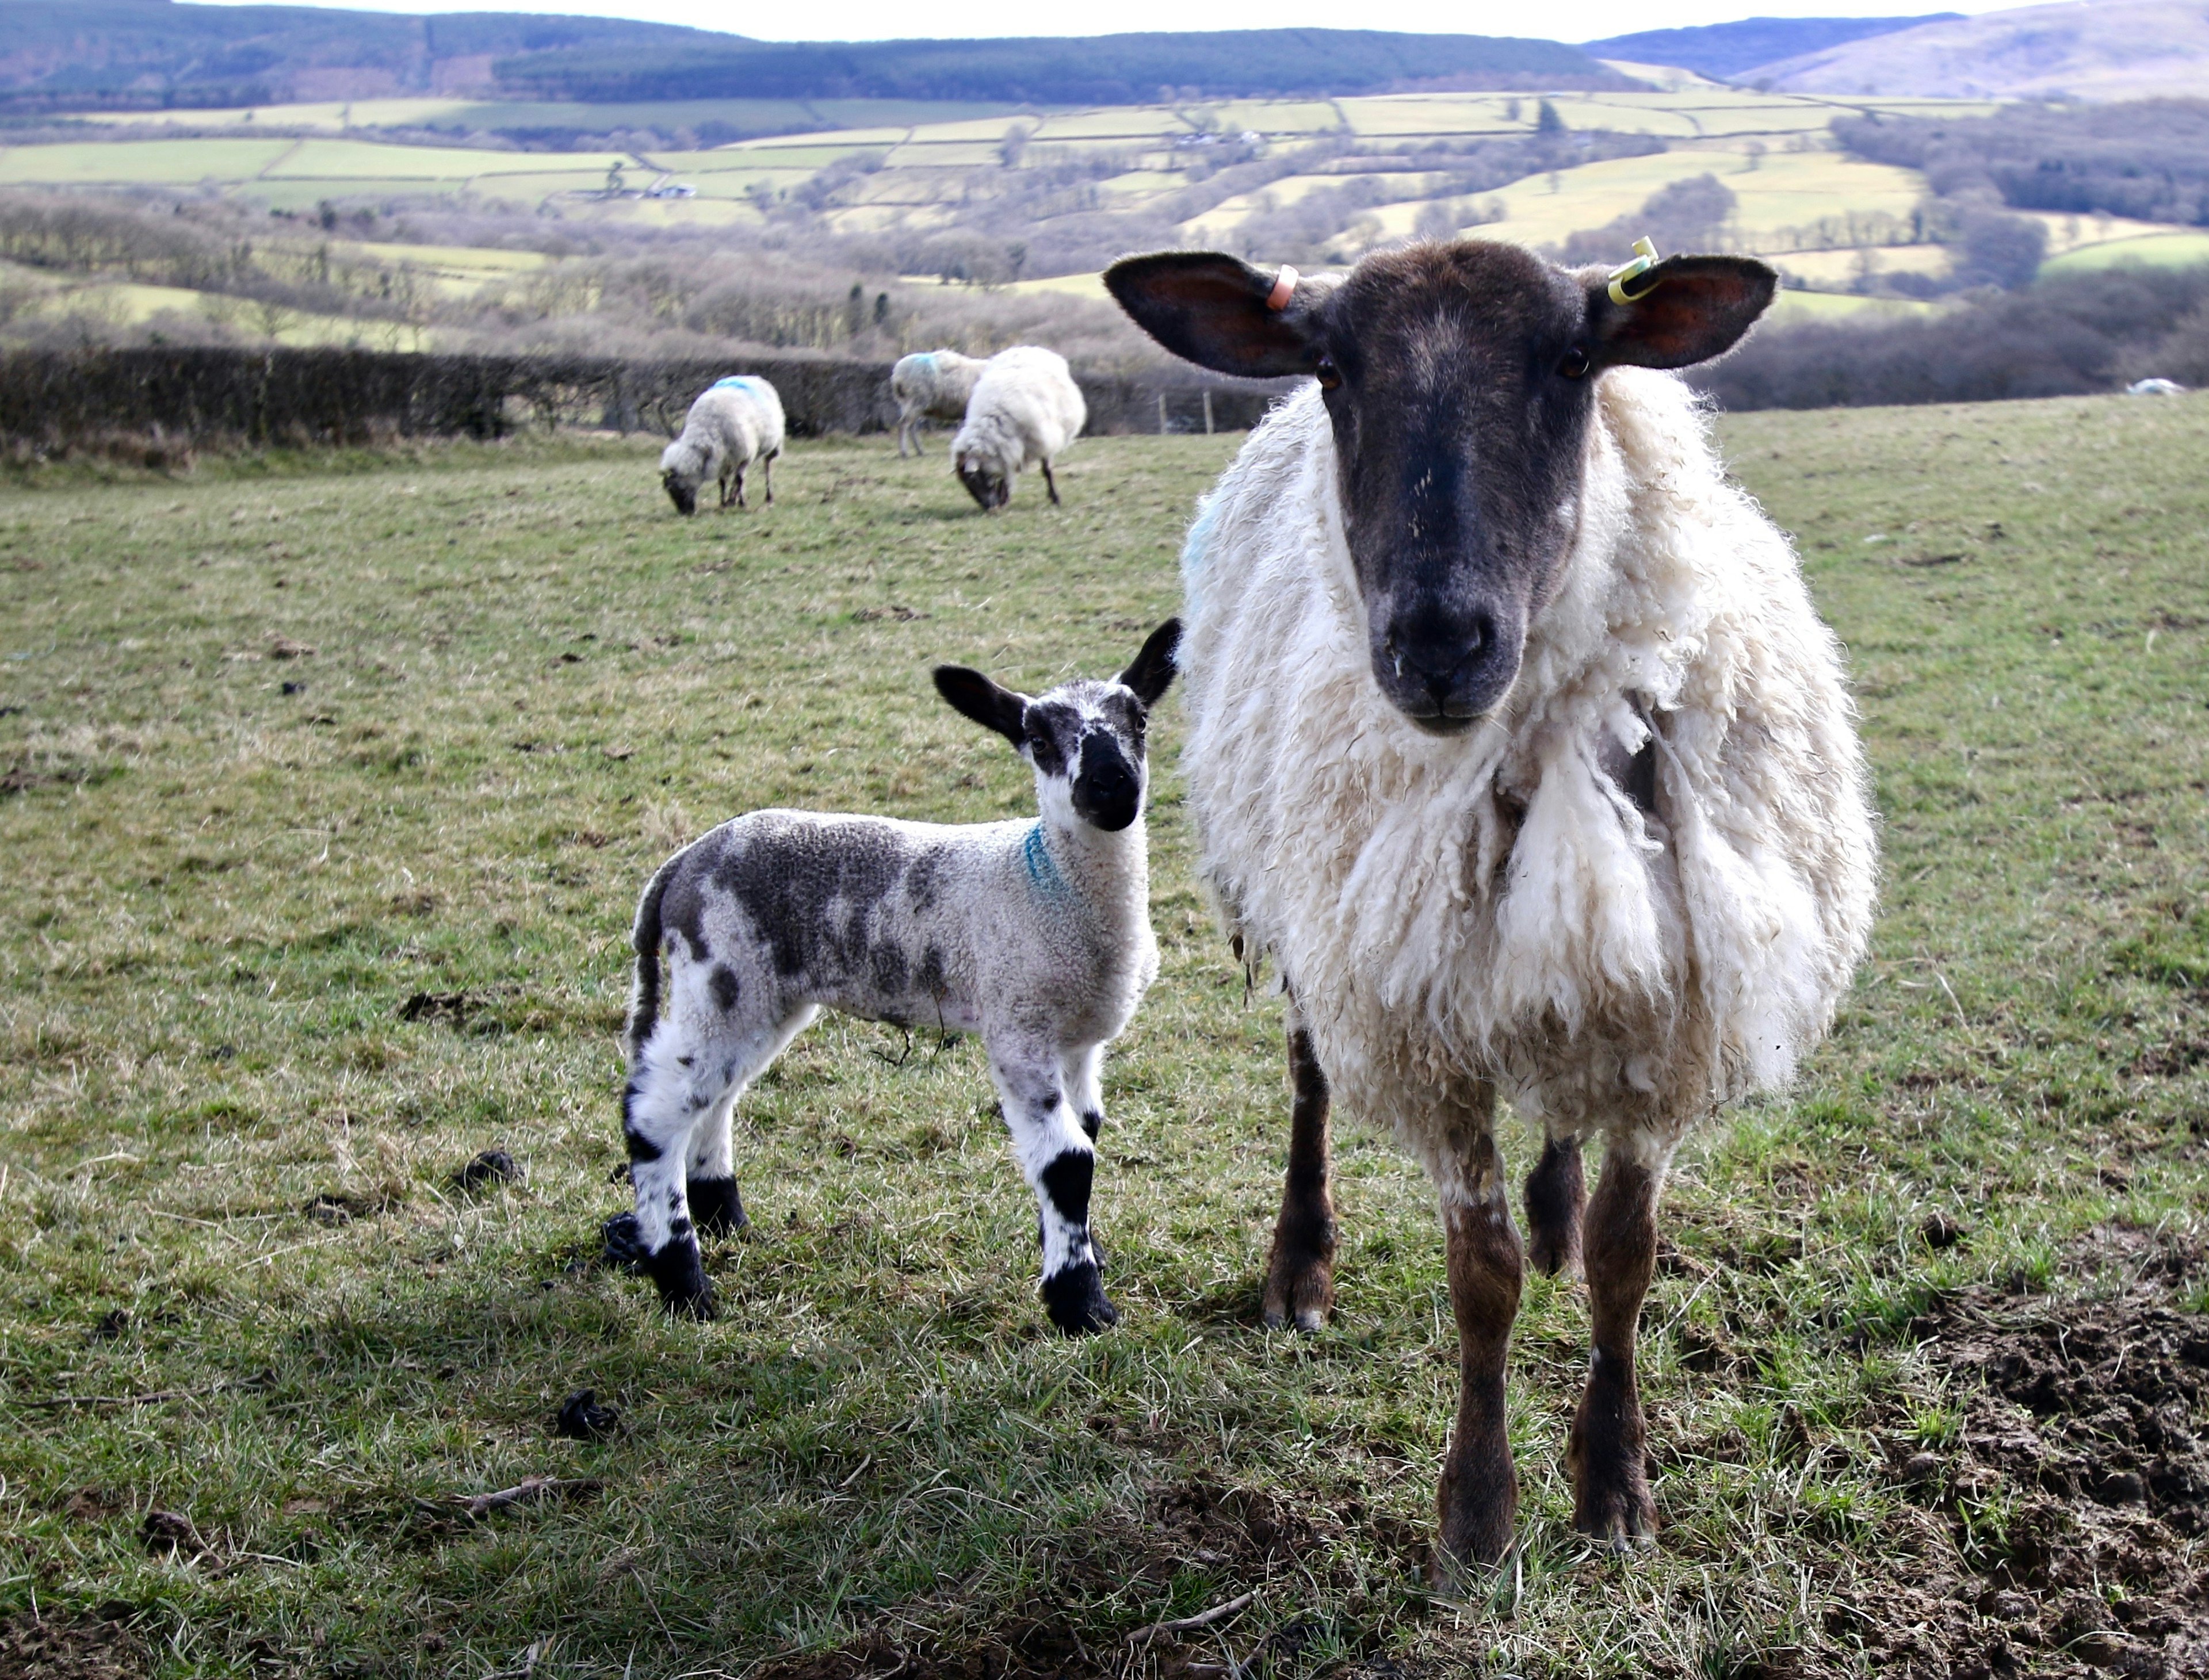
{"points": [[2086, 49], [1733, 51]]}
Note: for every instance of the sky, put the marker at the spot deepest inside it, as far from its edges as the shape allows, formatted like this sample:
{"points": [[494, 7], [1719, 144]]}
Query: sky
{"points": [[883, 20]]}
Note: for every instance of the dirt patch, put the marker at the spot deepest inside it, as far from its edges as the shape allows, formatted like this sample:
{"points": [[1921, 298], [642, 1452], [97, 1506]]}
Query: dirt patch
{"points": [[2075, 1497], [88, 1647]]}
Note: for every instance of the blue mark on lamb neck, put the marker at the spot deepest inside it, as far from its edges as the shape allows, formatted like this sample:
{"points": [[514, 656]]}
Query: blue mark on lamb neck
{"points": [[1043, 872]]}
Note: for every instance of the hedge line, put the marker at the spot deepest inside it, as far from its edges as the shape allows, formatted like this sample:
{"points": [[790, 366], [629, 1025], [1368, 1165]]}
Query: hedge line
{"points": [[52, 401]]}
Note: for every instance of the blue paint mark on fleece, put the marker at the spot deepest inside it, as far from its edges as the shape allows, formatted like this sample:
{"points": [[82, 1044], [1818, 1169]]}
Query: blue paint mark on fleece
{"points": [[1041, 870], [1195, 548], [742, 381]]}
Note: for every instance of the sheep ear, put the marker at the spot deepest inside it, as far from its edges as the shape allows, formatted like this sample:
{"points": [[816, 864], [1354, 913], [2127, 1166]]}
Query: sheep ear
{"points": [[1684, 311], [973, 695], [1153, 667], [1213, 309]]}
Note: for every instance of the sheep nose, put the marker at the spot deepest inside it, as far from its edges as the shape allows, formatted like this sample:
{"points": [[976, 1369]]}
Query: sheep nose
{"points": [[1443, 671]]}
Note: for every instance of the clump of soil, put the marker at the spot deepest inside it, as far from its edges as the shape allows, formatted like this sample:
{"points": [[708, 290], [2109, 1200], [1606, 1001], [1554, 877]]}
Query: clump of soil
{"points": [[69, 1648], [2087, 1420]]}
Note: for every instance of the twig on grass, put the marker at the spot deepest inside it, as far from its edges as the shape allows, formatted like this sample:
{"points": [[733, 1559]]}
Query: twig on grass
{"points": [[1190, 1623], [523, 1492]]}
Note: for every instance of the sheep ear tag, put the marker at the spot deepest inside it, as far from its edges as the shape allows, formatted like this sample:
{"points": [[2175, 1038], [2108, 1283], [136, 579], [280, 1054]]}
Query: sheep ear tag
{"points": [[1644, 259], [1285, 287]]}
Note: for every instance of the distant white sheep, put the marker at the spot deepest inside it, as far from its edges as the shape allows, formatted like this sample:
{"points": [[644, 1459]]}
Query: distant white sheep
{"points": [[1034, 934], [931, 385], [1516, 741], [735, 422], [1025, 410]]}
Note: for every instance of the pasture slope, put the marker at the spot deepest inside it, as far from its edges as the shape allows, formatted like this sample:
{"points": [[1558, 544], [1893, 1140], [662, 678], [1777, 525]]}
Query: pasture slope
{"points": [[289, 935]]}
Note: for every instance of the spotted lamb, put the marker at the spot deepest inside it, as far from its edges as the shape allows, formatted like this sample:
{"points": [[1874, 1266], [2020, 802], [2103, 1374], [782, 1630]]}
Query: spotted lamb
{"points": [[1516, 741], [1036, 935], [735, 422]]}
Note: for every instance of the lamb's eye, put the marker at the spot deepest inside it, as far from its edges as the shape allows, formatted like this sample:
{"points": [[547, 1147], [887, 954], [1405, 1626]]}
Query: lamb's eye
{"points": [[1330, 376], [1574, 364]]}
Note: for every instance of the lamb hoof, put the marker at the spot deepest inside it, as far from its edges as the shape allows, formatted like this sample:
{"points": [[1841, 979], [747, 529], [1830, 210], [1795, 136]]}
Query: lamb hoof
{"points": [[685, 1289], [1075, 1300], [716, 1207], [624, 1246]]}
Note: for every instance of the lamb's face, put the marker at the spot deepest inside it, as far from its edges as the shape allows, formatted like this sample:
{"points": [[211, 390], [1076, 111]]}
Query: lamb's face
{"points": [[1458, 384], [1085, 741], [985, 479]]}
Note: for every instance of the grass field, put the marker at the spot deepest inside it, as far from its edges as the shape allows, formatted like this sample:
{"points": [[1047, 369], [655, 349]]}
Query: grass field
{"points": [[290, 746]]}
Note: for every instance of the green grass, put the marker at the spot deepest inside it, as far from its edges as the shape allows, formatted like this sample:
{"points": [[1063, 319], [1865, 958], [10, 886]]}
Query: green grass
{"points": [[530, 679]]}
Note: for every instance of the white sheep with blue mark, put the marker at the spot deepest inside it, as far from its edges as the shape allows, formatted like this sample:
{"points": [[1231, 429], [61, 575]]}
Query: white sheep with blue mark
{"points": [[1025, 411], [931, 385], [1034, 934], [734, 422]]}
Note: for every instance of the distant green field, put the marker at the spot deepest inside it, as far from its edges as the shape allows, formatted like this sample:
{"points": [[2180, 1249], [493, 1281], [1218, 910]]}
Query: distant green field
{"points": [[2160, 250], [239, 1284]]}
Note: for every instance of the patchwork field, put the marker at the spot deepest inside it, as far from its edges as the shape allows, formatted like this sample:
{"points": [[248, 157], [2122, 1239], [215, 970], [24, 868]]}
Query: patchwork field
{"points": [[326, 786]]}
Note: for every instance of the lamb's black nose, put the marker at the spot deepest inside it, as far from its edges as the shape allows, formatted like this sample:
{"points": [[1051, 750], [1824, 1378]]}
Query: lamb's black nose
{"points": [[1107, 793]]}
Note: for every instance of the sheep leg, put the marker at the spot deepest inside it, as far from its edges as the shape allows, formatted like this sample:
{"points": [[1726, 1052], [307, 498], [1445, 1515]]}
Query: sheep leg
{"points": [[1059, 1163], [1478, 1499], [1607, 1448], [1553, 1198], [1052, 484], [1300, 1273], [767, 481], [740, 488], [1085, 1087], [710, 1173]]}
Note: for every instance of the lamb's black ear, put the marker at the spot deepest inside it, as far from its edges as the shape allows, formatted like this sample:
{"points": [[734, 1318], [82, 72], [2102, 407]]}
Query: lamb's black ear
{"points": [[973, 695], [1213, 309], [1153, 667], [1684, 311]]}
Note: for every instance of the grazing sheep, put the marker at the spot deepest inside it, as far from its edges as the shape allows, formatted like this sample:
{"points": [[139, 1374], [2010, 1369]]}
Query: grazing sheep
{"points": [[735, 422], [1515, 740], [931, 385], [1025, 408], [1037, 935]]}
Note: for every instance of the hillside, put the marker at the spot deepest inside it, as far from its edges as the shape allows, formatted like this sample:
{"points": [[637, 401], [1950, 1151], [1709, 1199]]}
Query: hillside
{"points": [[1101, 70], [2104, 50], [1729, 51], [130, 54]]}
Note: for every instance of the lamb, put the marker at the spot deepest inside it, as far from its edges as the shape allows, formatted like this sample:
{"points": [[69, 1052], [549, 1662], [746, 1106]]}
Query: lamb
{"points": [[1025, 408], [931, 385], [735, 422], [1036, 935], [1515, 741]]}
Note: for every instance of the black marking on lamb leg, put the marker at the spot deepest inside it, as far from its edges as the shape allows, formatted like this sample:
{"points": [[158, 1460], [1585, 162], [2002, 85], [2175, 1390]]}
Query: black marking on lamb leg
{"points": [[1067, 1181], [1092, 1122], [722, 983], [718, 1208], [680, 1274], [641, 1149], [1075, 1297]]}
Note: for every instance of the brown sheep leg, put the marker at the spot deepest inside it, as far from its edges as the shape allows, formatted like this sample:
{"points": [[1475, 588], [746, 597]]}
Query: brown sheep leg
{"points": [[1478, 1499], [1553, 1198], [1300, 1274], [1609, 1439]]}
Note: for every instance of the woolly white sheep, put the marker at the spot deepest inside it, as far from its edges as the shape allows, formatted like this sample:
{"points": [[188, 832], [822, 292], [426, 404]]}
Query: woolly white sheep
{"points": [[1515, 740], [931, 385], [735, 422], [1025, 410], [1036, 935]]}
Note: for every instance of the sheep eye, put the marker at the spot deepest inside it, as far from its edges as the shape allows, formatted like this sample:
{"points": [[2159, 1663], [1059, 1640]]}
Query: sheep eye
{"points": [[1330, 376], [1576, 365]]}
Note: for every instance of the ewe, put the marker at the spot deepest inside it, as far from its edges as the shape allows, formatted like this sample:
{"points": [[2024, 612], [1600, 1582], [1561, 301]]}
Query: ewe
{"points": [[1037, 935], [1026, 409], [1515, 740], [931, 385], [735, 422]]}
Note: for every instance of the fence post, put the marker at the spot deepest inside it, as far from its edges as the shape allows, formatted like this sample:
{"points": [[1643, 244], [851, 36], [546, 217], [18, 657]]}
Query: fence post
{"points": [[1161, 414], [1207, 411]]}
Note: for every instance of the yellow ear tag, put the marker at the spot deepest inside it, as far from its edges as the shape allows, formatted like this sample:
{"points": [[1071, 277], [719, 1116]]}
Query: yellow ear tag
{"points": [[1645, 259]]}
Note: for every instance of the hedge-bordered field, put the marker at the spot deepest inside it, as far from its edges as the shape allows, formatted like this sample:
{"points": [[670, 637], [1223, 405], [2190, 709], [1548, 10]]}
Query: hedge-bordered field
{"points": [[326, 790]]}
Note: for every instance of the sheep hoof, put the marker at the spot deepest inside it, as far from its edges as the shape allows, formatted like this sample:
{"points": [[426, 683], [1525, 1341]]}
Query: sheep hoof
{"points": [[716, 1207], [1075, 1299], [1617, 1523], [685, 1289], [1299, 1289]]}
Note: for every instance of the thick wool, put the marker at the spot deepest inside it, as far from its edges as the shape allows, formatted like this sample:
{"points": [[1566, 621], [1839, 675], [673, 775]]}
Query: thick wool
{"points": [[931, 385], [1026, 409], [1494, 905], [734, 422]]}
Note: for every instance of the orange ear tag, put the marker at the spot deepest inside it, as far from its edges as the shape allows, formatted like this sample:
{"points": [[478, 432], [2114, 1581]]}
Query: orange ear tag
{"points": [[1285, 287]]}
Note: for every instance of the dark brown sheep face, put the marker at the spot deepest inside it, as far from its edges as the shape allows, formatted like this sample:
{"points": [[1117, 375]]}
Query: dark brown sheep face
{"points": [[683, 495], [1460, 380], [983, 483]]}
